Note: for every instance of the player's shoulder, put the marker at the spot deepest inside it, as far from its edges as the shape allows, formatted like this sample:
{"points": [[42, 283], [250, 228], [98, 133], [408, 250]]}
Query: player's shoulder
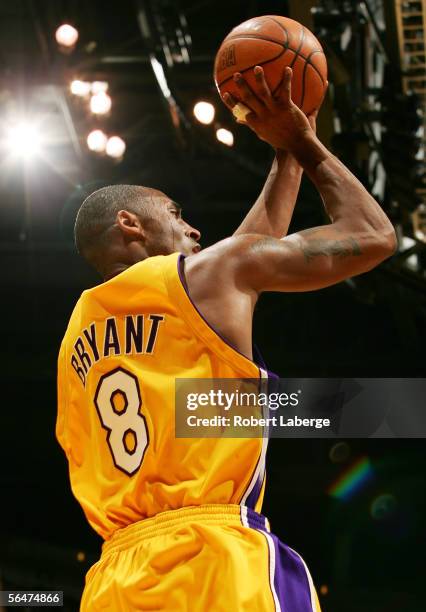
{"points": [[222, 266], [231, 254], [224, 251]]}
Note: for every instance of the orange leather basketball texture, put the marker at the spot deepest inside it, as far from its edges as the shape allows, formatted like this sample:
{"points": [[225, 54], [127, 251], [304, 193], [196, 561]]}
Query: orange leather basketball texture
{"points": [[273, 42]]}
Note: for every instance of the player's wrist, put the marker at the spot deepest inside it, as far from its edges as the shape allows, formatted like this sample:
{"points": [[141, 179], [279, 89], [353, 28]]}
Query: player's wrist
{"points": [[286, 165], [284, 156], [309, 151]]}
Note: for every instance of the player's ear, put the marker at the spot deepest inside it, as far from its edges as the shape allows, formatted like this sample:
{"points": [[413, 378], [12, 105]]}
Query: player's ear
{"points": [[130, 224]]}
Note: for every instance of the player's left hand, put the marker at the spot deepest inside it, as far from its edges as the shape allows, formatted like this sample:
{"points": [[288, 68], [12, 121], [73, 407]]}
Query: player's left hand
{"points": [[270, 114], [312, 118]]}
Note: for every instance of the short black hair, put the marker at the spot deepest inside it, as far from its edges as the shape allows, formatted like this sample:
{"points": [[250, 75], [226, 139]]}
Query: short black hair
{"points": [[99, 210]]}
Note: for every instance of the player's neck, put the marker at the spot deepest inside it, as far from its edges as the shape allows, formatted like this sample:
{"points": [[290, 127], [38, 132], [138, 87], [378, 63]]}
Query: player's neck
{"points": [[117, 269], [119, 257]]}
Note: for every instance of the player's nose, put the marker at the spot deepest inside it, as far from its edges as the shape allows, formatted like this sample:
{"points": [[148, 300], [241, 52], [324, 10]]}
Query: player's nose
{"points": [[193, 233]]}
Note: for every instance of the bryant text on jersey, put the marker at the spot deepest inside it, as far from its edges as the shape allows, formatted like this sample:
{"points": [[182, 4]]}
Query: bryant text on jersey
{"points": [[128, 335]]}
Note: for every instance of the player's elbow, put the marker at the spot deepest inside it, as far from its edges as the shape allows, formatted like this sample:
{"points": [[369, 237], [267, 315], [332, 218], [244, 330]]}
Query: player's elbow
{"points": [[387, 242], [379, 247]]}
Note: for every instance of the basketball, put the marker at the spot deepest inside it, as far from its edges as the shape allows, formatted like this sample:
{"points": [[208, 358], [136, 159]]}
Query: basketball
{"points": [[273, 42]]}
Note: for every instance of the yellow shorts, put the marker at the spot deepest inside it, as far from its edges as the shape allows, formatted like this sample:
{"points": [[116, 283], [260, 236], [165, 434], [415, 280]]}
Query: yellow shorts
{"points": [[213, 558]]}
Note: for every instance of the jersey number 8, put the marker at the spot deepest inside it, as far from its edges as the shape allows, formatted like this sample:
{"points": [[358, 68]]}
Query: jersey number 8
{"points": [[118, 401]]}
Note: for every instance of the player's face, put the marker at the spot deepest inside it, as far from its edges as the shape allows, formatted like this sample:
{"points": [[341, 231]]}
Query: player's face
{"points": [[171, 233]]}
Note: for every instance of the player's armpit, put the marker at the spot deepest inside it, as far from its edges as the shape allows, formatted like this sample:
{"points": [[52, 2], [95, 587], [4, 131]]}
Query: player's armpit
{"points": [[311, 259]]}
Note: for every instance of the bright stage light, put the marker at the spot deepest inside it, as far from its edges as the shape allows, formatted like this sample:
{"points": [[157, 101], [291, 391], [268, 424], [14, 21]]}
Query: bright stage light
{"points": [[100, 103], [23, 139], [204, 112], [115, 147], [225, 136], [99, 86], [66, 35], [97, 141], [80, 88]]}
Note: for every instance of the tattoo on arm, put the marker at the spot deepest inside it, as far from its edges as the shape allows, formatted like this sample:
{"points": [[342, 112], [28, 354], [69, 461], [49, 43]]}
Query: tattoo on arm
{"points": [[314, 247], [337, 248]]}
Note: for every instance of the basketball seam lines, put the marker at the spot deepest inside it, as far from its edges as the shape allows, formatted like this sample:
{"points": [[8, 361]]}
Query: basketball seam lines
{"points": [[303, 77], [303, 84], [302, 40], [296, 53], [281, 26], [283, 50], [278, 42], [307, 59]]}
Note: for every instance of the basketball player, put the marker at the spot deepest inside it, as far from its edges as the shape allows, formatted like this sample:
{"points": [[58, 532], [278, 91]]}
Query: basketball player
{"points": [[180, 517]]}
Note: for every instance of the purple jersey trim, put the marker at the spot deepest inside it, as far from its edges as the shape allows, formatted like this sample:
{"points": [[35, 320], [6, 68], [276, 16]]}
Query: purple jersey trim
{"points": [[257, 357], [272, 385], [179, 261], [253, 496]]}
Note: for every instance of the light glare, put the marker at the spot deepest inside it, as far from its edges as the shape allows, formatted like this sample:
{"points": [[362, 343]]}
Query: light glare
{"points": [[225, 136], [96, 141], [66, 35], [80, 88], [24, 139], [99, 86], [160, 76], [100, 103], [115, 147], [204, 112]]}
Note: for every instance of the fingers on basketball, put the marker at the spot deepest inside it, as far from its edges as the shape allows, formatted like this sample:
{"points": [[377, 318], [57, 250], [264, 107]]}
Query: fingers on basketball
{"points": [[283, 93], [229, 100], [248, 96], [262, 86]]}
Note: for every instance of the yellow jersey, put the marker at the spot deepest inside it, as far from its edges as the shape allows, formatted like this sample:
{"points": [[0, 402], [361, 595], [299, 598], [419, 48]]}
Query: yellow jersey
{"points": [[127, 341]]}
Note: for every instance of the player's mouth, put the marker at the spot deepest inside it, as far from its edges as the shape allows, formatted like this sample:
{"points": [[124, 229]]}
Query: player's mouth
{"points": [[196, 249]]}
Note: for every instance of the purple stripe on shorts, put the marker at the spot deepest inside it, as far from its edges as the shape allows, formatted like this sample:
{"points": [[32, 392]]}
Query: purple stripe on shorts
{"points": [[290, 579], [256, 520]]}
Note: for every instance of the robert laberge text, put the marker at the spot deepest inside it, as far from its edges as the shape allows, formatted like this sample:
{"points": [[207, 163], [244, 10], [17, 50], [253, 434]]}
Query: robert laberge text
{"points": [[251, 421]]}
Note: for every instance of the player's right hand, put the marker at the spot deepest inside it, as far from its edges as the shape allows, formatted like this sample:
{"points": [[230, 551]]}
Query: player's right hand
{"points": [[274, 118]]}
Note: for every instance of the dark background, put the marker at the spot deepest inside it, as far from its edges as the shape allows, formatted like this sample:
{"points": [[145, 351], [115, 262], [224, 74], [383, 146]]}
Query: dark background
{"points": [[365, 550]]}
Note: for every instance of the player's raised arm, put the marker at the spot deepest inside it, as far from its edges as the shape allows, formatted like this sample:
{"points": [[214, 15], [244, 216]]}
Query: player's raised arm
{"points": [[359, 237], [308, 260], [272, 211]]}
